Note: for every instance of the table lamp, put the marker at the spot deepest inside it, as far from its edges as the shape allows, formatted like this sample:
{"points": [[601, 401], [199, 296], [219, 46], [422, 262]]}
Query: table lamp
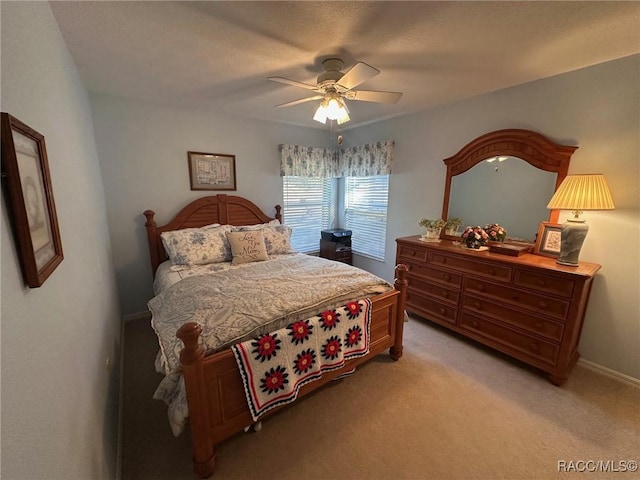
{"points": [[578, 193]]}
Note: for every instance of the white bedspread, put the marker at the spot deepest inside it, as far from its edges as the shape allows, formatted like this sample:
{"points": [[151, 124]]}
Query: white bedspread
{"points": [[234, 304]]}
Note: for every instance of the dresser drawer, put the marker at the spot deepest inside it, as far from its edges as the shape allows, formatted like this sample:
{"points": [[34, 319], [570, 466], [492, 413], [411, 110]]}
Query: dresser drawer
{"points": [[534, 324], [551, 307], [438, 292], [544, 283], [430, 308], [530, 346], [409, 252], [447, 278], [464, 264]]}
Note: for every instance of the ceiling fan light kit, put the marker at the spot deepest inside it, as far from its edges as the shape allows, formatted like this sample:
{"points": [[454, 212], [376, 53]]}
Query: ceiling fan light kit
{"points": [[334, 87]]}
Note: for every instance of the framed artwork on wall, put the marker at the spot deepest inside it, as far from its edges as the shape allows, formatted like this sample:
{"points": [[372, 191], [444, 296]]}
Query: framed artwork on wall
{"points": [[548, 239], [29, 194], [212, 171]]}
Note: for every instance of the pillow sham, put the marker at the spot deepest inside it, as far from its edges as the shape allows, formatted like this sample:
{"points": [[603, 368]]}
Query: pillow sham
{"points": [[277, 238], [197, 246], [247, 246], [273, 223]]}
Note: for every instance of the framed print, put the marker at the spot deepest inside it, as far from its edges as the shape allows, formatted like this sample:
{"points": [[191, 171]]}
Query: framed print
{"points": [[212, 171], [548, 239], [27, 186]]}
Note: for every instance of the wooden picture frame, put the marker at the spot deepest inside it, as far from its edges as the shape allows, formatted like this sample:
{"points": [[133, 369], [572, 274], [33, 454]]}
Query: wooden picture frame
{"points": [[29, 195], [212, 171], [548, 239]]}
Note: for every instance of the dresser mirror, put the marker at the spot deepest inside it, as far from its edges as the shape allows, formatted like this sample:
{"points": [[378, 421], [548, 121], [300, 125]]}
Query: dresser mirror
{"points": [[505, 177]]}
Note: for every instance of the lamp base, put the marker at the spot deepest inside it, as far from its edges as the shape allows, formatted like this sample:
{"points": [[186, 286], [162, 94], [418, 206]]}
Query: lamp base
{"points": [[572, 236]]}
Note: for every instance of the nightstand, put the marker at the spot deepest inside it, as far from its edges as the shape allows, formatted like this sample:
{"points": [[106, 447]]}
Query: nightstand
{"points": [[338, 251]]}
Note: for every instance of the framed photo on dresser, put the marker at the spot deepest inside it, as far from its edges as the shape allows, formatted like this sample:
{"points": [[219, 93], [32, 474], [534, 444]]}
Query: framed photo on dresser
{"points": [[548, 240]]}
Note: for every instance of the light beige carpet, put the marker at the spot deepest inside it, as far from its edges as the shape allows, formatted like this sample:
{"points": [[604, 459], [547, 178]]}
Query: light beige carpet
{"points": [[449, 409]]}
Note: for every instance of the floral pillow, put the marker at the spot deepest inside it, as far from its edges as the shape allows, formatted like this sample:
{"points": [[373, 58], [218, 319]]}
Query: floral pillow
{"points": [[273, 223], [197, 246], [277, 238], [247, 246]]}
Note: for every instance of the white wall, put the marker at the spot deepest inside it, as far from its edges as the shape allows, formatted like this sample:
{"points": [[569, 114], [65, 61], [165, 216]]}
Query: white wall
{"points": [[143, 156], [597, 109], [59, 401]]}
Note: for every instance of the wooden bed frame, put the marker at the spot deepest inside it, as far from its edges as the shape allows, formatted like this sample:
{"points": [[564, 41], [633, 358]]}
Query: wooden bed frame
{"points": [[215, 394]]}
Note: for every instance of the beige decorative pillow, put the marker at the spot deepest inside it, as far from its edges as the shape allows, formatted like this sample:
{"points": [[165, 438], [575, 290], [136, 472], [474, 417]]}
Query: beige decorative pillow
{"points": [[247, 246], [277, 238]]}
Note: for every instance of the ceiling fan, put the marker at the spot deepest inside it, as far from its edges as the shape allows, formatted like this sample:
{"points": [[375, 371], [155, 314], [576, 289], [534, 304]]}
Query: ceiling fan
{"points": [[334, 87]]}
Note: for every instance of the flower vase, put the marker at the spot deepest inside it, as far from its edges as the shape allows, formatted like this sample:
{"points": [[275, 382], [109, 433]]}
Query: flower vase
{"points": [[432, 235]]}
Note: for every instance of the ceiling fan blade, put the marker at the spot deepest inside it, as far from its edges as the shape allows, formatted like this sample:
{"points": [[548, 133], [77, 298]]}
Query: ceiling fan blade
{"points": [[373, 96], [295, 83], [302, 100], [359, 73]]}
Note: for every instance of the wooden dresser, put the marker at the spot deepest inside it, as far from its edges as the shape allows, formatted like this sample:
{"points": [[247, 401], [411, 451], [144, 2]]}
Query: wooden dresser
{"points": [[528, 307]]}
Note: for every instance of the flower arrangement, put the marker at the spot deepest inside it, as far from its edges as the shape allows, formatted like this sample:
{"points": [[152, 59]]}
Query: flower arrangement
{"points": [[429, 224], [475, 237], [453, 224], [496, 232]]}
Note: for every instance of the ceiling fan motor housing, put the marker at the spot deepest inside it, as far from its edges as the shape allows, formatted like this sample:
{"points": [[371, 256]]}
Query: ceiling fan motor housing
{"points": [[332, 72]]}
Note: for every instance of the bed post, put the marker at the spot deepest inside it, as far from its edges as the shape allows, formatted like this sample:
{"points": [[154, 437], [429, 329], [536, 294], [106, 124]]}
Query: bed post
{"points": [[401, 285], [279, 213], [152, 240], [191, 356]]}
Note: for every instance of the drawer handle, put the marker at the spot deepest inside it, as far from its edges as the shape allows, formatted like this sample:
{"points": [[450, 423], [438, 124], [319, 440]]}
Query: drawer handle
{"points": [[492, 271], [535, 346], [478, 305], [413, 254], [445, 294], [444, 260], [474, 324], [515, 297], [538, 325], [443, 310], [542, 304], [542, 283], [481, 287], [446, 277]]}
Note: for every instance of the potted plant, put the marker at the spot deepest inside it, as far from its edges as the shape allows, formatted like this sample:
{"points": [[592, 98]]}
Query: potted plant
{"points": [[433, 228], [452, 225]]}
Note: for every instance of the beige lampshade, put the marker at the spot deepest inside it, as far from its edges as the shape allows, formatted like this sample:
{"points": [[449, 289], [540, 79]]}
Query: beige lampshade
{"points": [[582, 192]]}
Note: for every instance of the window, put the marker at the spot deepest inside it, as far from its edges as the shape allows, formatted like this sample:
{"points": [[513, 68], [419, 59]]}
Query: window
{"points": [[366, 200], [309, 206]]}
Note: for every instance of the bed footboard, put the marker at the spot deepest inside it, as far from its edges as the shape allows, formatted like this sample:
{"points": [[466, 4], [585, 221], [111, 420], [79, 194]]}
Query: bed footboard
{"points": [[215, 394]]}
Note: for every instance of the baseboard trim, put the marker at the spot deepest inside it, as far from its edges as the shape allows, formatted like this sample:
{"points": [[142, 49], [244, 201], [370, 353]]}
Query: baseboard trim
{"points": [[620, 377], [146, 315]]}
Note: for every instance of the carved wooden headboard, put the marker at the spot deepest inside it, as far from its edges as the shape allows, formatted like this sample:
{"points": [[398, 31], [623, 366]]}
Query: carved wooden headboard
{"points": [[223, 209]]}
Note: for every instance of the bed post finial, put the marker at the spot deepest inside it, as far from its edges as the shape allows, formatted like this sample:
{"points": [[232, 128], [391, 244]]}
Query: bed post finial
{"points": [[279, 213], [400, 284], [189, 333]]}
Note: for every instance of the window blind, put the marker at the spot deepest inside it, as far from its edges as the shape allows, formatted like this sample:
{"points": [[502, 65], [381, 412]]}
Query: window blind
{"points": [[309, 207], [366, 200]]}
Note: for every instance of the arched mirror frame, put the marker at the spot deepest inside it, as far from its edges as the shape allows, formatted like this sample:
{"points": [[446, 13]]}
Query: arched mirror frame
{"points": [[530, 146]]}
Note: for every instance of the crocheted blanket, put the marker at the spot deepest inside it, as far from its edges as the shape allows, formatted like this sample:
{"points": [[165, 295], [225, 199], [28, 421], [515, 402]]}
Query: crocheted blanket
{"points": [[274, 366]]}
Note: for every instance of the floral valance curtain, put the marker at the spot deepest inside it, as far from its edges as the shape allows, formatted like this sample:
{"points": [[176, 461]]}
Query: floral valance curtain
{"points": [[299, 161], [361, 161], [367, 160]]}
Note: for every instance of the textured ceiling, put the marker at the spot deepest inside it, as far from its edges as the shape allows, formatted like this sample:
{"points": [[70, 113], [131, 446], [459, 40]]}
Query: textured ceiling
{"points": [[217, 55]]}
